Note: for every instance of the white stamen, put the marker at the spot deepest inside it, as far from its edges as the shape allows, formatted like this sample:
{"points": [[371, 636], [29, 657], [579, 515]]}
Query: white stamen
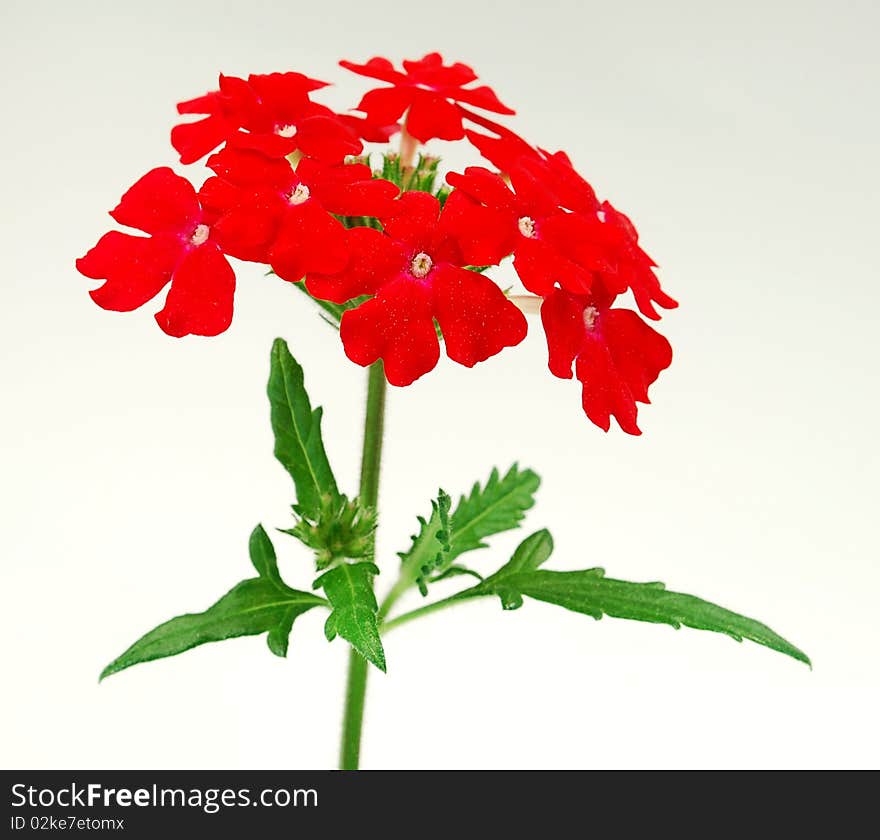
{"points": [[285, 130], [590, 315], [601, 215], [299, 195], [421, 265], [527, 227], [200, 235]]}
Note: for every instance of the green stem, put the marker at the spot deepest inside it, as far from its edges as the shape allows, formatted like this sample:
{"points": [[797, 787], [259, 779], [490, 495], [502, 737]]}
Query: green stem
{"points": [[356, 686], [451, 601]]}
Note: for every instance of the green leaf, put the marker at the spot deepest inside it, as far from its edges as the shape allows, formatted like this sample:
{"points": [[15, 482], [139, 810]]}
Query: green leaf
{"points": [[498, 506], [257, 605], [591, 593], [532, 552], [430, 546], [349, 588], [298, 443]]}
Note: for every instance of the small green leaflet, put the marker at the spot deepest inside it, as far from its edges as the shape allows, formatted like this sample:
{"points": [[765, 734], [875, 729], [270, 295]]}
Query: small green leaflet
{"points": [[264, 604], [430, 547], [498, 506], [591, 593], [297, 428], [349, 588]]}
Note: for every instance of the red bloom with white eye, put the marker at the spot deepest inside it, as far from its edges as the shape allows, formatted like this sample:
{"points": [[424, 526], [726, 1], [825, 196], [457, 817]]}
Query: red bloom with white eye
{"points": [[271, 113], [615, 354], [268, 212], [524, 218], [430, 90], [413, 271], [180, 248]]}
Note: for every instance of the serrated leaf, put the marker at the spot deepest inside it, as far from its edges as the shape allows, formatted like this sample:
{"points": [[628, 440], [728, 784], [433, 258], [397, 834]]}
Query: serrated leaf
{"points": [[499, 505], [349, 588], [590, 592], [430, 546], [257, 605], [297, 428]]}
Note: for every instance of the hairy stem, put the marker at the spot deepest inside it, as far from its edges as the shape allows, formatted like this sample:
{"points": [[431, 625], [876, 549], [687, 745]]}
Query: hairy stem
{"points": [[356, 686], [451, 601]]}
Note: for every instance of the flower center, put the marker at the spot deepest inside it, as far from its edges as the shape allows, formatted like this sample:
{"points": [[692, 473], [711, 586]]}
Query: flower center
{"points": [[421, 265], [285, 130], [299, 195], [200, 235], [527, 227], [601, 215], [590, 315]]}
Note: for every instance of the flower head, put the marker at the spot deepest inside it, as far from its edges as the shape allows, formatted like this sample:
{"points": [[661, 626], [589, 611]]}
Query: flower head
{"points": [[180, 248], [429, 91]]}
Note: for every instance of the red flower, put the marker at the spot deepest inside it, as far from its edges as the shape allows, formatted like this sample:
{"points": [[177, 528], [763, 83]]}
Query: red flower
{"points": [[180, 248], [616, 355], [268, 212], [415, 276], [526, 219], [430, 89], [270, 113]]}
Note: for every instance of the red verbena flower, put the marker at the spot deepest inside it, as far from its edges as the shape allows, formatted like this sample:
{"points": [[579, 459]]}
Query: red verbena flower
{"points": [[267, 211], [525, 218], [616, 355], [414, 272], [180, 248], [432, 92], [271, 113]]}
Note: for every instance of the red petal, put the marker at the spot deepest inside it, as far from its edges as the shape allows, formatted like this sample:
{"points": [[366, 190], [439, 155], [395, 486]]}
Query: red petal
{"points": [[386, 105], [639, 352], [430, 116], [431, 71], [265, 143], [414, 219], [563, 318], [247, 168], [507, 151], [136, 268], [327, 139], [194, 140], [309, 240], [395, 326], [160, 202], [368, 130], [482, 97], [373, 260], [485, 186], [200, 299], [217, 197], [476, 318], [605, 394], [376, 68], [248, 230], [540, 266], [484, 235]]}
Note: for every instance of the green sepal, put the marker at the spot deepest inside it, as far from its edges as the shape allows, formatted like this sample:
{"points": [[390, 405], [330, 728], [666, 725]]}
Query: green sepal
{"points": [[264, 604], [349, 589], [342, 530]]}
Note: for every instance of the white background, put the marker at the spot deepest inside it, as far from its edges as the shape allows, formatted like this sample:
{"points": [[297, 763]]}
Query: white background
{"points": [[742, 139]]}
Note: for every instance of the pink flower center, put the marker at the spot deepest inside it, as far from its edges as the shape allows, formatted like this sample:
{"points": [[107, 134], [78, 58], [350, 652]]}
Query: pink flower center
{"points": [[601, 215], [421, 265], [285, 130], [200, 235], [590, 315], [526, 226], [300, 195]]}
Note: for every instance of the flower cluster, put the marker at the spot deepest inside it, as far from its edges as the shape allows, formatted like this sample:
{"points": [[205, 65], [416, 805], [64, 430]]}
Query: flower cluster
{"points": [[292, 187]]}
